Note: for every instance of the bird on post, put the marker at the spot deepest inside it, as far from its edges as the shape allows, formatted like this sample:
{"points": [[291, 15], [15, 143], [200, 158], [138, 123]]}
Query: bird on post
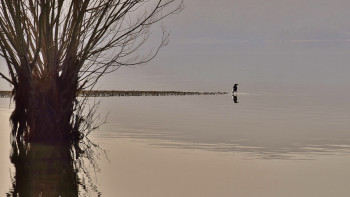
{"points": [[234, 89]]}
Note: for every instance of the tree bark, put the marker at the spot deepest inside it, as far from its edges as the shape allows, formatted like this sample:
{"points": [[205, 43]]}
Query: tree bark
{"points": [[44, 108]]}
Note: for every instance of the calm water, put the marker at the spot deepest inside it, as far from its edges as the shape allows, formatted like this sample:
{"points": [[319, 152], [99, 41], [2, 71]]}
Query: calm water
{"points": [[281, 142]]}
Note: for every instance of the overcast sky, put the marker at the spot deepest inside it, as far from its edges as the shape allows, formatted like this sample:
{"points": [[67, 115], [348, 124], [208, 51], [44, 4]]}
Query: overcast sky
{"points": [[216, 43], [266, 19]]}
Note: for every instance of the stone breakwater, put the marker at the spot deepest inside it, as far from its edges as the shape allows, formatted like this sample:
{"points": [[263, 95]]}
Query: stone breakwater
{"points": [[100, 93], [109, 93], [5, 94]]}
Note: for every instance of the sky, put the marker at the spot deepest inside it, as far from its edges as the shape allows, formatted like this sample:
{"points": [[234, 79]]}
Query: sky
{"points": [[257, 43], [256, 20]]}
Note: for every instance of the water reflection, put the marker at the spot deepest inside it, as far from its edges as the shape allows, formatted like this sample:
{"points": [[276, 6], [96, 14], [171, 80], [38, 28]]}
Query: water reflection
{"points": [[52, 170], [293, 150], [235, 98], [253, 150]]}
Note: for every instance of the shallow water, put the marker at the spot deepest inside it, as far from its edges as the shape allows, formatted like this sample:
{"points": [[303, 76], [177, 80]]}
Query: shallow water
{"points": [[265, 124], [282, 142]]}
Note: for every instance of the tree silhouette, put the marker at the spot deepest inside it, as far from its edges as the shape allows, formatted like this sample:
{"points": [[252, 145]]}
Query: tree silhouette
{"points": [[56, 48]]}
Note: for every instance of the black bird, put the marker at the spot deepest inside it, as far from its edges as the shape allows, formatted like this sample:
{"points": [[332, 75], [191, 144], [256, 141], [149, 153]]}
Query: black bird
{"points": [[234, 89]]}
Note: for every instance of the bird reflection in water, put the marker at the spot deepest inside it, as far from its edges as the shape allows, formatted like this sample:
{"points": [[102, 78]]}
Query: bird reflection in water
{"points": [[235, 98], [52, 170]]}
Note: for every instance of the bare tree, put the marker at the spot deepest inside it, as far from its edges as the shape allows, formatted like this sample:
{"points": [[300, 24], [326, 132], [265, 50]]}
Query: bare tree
{"points": [[56, 48]]}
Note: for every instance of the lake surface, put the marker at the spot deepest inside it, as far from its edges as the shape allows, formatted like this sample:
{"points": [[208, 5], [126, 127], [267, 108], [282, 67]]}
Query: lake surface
{"points": [[275, 143]]}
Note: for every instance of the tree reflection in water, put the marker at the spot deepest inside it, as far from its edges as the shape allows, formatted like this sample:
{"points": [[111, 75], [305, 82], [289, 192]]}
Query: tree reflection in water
{"points": [[54, 170]]}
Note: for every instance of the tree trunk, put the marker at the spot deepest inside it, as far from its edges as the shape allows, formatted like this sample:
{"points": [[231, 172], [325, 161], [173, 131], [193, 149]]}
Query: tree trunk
{"points": [[44, 109]]}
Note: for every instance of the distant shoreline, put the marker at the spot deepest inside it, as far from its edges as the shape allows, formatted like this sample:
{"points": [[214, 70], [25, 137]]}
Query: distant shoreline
{"points": [[109, 93]]}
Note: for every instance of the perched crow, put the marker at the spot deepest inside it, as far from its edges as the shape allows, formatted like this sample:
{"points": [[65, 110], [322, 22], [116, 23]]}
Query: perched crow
{"points": [[234, 89]]}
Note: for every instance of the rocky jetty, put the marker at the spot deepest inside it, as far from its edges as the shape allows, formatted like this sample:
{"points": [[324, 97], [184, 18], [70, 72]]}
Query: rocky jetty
{"points": [[108, 93], [100, 93]]}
